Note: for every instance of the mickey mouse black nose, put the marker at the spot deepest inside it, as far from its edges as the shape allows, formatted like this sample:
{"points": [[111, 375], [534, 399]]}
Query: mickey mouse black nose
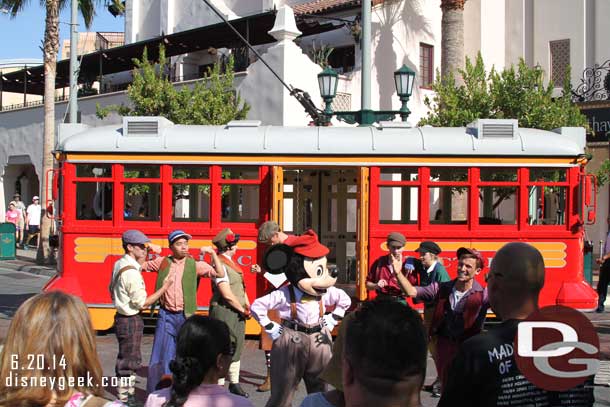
{"points": [[333, 271]]}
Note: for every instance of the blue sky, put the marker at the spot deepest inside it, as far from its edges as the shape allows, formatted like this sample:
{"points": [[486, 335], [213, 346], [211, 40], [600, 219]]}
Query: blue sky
{"points": [[21, 37]]}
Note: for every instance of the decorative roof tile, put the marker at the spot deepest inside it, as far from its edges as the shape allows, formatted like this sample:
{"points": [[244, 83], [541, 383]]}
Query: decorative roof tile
{"points": [[322, 6]]}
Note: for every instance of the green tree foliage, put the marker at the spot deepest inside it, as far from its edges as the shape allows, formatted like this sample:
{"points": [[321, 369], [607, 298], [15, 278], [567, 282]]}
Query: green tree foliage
{"points": [[515, 93], [212, 101]]}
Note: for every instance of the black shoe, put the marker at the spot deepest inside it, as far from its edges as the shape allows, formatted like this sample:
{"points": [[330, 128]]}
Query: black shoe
{"points": [[436, 388], [235, 388], [600, 309]]}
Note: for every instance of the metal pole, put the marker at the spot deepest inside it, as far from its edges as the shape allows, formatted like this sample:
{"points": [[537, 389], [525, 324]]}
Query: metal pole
{"points": [[73, 67], [25, 86], [365, 47], [1, 89]]}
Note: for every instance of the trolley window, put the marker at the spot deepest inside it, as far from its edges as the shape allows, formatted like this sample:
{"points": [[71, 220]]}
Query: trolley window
{"points": [[240, 194], [98, 208], [398, 204], [93, 170], [142, 194], [498, 196], [191, 197], [448, 196], [94, 189], [141, 171], [547, 196]]}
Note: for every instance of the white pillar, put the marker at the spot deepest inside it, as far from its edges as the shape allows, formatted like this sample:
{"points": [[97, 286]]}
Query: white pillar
{"points": [[274, 105]]}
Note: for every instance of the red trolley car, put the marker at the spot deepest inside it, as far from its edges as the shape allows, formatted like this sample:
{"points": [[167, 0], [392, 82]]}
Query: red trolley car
{"points": [[480, 186]]}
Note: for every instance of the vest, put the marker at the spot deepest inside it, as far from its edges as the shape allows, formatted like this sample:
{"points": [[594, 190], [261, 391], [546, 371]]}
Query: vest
{"points": [[444, 319], [189, 282], [236, 283]]}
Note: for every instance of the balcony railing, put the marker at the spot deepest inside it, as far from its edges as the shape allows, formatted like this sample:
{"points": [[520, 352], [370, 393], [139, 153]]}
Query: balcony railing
{"points": [[34, 103], [106, 88], [594, 85]]}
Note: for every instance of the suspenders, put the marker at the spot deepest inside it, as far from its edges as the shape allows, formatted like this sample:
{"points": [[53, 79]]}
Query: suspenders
{"points": [[293, 305], [293, 322]]}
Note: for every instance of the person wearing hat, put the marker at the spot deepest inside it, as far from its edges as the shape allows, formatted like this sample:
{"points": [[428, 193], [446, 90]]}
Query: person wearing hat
{"points": [[21, 223], [32, 221], [460, 307], [269, 233], [302, 342], [427, 270], [230, 302], [128, 293], [382, 276], [177, 303]]}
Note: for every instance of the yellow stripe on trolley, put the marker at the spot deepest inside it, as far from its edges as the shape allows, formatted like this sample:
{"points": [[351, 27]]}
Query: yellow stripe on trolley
{"points": [[554, 253], [96, 249], [312, 160]]}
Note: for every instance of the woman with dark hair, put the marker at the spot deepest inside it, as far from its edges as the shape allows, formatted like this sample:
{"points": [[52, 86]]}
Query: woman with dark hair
{"points": [[203, 356]]}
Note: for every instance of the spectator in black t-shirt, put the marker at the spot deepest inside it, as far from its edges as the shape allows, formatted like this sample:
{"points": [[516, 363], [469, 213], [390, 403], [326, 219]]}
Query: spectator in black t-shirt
{"points": [[384, 359], [484, 372]]}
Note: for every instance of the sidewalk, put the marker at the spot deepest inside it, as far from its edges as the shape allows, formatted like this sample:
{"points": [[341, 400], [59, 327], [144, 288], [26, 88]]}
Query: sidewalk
{"points": [[25, 261]]}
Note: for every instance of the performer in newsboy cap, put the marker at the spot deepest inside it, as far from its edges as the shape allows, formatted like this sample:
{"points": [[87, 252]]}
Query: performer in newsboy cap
{"points": [[382, 275], [230, 302], [178, 303], [129, 296], [460, 306]]}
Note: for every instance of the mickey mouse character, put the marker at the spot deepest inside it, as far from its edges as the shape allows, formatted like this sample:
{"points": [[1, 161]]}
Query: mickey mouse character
{"points": [[302, 343]]}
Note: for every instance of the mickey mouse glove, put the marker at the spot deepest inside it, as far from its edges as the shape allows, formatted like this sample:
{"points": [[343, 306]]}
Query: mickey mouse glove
{"points": [[274, 330], [330, 321]]}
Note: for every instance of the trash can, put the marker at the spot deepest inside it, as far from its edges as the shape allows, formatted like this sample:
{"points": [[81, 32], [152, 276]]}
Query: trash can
{"points": [[7, 241], [588, 260]]}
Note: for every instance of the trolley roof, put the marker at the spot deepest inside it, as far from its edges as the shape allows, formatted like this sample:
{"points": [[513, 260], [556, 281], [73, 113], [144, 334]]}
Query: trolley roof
{"points": [[482, 138]]}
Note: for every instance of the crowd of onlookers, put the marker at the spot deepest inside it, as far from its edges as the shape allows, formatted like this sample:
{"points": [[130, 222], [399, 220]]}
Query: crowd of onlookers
{"points": [[378, 358]]}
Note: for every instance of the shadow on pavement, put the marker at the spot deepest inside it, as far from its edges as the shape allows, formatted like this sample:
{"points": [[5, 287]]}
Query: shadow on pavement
{"points": [[9, 303]]}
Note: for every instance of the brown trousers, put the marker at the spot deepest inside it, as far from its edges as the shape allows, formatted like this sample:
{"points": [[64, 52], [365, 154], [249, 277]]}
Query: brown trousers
{"points": [[295, 356]]}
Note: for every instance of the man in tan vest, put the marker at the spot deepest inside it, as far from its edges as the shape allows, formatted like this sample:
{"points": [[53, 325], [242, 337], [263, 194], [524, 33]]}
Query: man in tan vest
{"points": [[230, 302]]}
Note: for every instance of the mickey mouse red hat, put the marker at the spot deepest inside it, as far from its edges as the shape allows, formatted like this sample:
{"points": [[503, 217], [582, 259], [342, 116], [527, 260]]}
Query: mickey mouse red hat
{"points": [[308, 245]]}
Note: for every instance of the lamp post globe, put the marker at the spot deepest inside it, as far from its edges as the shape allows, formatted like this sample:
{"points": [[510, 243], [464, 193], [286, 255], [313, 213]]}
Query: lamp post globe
{"points": [[327, 81], [404, 78]]}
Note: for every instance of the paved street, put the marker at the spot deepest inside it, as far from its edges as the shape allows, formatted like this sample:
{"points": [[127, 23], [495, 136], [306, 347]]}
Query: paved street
{"points": [[16, 285]]}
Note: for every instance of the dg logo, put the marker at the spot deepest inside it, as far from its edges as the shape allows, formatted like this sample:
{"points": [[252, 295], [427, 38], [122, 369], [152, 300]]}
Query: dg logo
{"points": [[557, 348]]}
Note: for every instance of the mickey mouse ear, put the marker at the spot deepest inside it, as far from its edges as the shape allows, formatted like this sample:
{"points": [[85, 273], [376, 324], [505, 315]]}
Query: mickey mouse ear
{"points": [[277, 258]]}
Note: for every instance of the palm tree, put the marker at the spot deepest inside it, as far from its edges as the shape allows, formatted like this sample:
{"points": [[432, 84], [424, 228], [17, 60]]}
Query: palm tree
{"points": [[50, 49], [452, 37]]}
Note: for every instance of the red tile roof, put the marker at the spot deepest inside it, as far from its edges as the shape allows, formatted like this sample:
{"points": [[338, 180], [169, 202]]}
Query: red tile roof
{"points": [[322, 6]]}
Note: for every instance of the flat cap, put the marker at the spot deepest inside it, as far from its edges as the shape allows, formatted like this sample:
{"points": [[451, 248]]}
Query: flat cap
{"points": [[396, 239], [134, 237], [177, 234], [428, 246], [473, 252], [267, 230]]}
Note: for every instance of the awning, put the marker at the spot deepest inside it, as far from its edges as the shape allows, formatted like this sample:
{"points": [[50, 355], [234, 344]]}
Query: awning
{"points": [[254, 28]]}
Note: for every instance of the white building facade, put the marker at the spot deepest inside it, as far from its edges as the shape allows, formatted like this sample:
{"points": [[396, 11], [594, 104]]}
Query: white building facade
{"points": [[554, 34]]}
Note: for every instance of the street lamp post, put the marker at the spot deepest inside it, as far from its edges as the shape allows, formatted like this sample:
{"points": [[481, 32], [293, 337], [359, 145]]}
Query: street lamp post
{"points": [[404, 79]]}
